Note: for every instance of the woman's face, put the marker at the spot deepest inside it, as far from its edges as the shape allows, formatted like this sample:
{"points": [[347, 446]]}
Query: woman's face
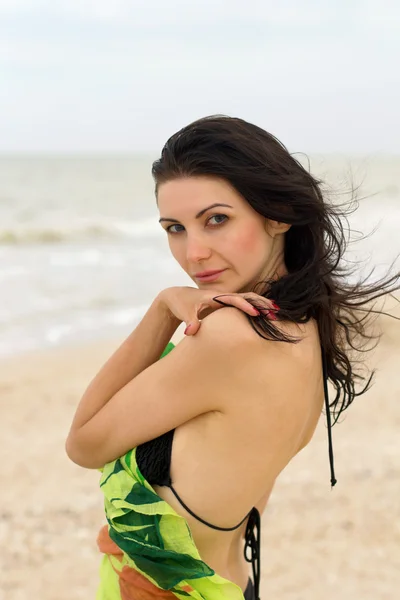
{"points": [[233, 237]]}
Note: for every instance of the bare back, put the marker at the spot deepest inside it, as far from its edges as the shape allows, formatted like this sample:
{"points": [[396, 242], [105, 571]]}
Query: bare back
{"points": [[223, 464]]}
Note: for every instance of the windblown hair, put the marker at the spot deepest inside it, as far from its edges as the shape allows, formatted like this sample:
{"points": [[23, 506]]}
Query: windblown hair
{"points": [[317, 284]]}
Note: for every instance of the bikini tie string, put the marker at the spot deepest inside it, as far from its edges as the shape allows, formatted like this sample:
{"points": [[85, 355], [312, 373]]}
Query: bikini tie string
{"points": [[328, 419], [252, 543]]}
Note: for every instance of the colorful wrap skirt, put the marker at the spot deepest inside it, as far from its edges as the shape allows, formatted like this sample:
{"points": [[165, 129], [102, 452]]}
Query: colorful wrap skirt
{"points": [[149, 552]]}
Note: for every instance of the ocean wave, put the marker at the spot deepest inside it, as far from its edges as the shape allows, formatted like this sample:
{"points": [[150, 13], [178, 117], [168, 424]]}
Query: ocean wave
{"points": [[58, 233], [111, 323]]}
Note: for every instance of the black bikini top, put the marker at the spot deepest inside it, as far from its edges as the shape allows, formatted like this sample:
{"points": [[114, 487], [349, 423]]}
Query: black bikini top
{"points": [[154, 461]]}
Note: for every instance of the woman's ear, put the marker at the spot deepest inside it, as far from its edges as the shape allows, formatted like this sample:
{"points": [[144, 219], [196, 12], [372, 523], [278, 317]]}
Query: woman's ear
{"points": [[276, 227]]}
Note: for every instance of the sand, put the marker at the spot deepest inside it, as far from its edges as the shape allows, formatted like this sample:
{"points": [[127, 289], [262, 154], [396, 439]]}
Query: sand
{"points": [[316, 542]]}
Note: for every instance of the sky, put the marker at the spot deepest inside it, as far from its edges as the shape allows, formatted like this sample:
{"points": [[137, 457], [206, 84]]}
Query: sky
{"points": [[121, 76]]}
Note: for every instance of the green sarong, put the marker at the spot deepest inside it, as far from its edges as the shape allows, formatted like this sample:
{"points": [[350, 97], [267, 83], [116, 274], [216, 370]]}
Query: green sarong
{"points": [[149, 552]]}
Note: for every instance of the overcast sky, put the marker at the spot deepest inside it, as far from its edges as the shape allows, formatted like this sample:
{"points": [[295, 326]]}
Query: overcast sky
{"points": [[123, 75]]}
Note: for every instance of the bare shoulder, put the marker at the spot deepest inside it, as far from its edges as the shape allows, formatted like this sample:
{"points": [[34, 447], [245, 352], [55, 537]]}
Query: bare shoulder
{"points": [[230, 327], [234, 354], [274, 387], [227, 325], [262, 367]]}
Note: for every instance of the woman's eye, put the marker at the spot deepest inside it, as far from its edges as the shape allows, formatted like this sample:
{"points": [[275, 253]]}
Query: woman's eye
{"points": [[216, 216], [169, 229], [224, 217]]}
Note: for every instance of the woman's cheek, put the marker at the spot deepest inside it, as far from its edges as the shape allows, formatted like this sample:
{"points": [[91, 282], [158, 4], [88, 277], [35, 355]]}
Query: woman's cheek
{"points": [[250, 241]]}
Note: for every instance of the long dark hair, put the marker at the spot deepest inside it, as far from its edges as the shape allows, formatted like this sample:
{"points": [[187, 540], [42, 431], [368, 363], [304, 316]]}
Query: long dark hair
{"points": [[317, 284]]}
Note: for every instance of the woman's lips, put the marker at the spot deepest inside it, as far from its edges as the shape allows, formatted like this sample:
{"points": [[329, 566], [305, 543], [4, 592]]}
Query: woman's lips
{"points": [[211, 277]]}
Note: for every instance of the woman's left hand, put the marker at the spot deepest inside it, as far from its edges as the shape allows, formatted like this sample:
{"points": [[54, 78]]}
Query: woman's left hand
{"points": [[190, 305]]}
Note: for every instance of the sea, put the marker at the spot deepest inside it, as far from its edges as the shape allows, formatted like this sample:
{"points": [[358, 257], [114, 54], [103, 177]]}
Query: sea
{"points": [[82, 254]]}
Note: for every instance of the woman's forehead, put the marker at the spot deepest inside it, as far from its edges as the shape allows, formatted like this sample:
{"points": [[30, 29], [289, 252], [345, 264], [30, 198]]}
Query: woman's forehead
{"points": [[193, 194]]}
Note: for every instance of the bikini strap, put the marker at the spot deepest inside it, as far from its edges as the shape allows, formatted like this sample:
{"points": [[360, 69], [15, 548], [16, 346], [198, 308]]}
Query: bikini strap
{"points": [[252, 540], [328, 418], [202, 520]]}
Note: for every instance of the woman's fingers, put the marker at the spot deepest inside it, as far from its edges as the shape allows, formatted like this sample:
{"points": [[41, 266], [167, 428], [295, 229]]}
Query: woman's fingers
{"points": [[194, 322], [250, 309], [192, 327], [264, 305], [270, 310]]}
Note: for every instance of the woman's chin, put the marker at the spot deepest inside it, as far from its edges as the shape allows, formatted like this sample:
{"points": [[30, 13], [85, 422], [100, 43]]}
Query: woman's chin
{"points": [[214, 285]]}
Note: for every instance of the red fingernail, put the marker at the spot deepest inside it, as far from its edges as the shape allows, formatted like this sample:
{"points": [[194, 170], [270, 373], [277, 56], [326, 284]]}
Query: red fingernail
{"points": [[275, 305], [187, 328], [271, 315]]}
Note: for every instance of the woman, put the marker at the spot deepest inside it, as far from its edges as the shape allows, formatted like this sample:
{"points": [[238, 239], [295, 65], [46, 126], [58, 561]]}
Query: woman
{"points": [[242, 393]]}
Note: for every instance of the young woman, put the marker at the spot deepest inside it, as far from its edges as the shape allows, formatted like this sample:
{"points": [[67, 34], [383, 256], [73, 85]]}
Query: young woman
{"points": [[190, 446]]}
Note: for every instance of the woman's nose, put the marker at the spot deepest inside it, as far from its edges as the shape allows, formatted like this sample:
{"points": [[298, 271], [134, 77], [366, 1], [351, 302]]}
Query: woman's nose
{"points": [[197, 249]]}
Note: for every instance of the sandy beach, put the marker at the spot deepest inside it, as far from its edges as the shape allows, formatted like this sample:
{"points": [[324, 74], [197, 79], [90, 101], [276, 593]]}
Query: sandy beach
{"points": [[316, 543]]}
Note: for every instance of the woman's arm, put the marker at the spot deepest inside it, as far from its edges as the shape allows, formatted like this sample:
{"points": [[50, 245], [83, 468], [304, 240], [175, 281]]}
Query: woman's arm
{"points": [[217, 370], [141, 349], [188, 382]]}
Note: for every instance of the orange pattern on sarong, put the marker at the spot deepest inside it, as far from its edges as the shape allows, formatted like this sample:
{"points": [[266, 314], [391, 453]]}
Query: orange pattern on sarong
{"points": [[133, 585]]}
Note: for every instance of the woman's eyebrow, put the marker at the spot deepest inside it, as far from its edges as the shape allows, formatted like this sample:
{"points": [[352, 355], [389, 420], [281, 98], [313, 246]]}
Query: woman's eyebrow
{"points": [[199, 214]]}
